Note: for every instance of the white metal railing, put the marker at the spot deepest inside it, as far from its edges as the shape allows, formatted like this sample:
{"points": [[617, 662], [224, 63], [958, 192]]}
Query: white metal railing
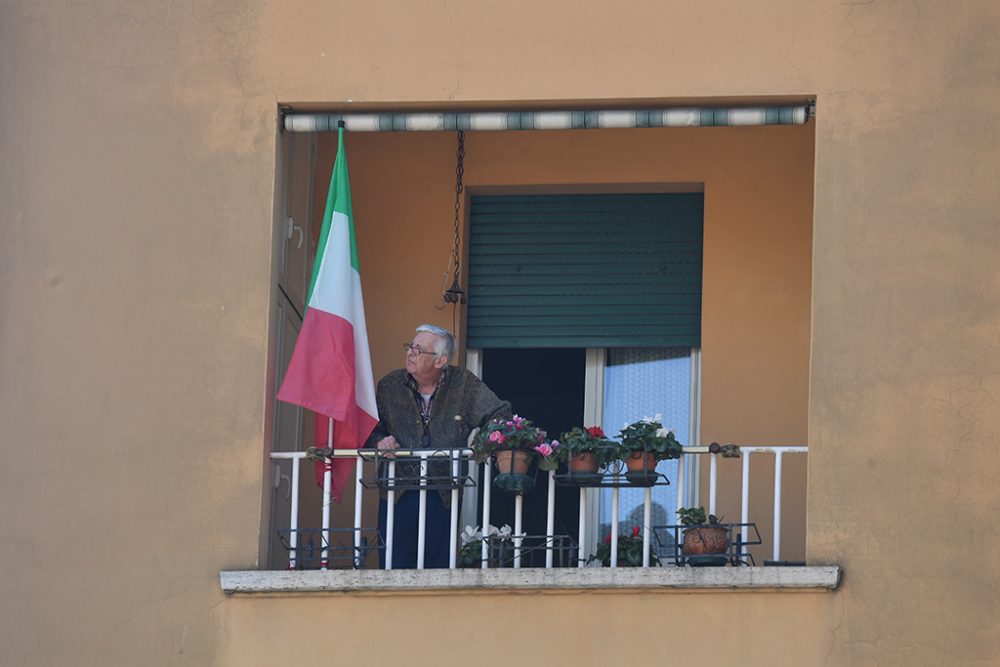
{"points": [[360, 457]]}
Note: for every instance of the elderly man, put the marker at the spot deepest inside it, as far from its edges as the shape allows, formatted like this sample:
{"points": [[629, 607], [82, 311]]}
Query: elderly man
{"points": [[427, 405]]}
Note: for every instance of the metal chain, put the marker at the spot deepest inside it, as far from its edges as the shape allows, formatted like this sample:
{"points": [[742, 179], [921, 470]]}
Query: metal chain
{"points": [[454, 294]]}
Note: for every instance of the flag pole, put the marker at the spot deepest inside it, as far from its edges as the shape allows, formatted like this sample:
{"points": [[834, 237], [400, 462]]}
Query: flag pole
{"points": [[327, 477]]}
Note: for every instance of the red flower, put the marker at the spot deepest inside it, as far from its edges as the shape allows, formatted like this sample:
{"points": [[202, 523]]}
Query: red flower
{"points": [[595, 432], [607, 538], [635, 531]]}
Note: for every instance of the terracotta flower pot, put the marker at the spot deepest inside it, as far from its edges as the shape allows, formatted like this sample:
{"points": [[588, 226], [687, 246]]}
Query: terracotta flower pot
{"points": [[641, 468], [512, 470], [705, 540], [513, 462], [583, 468], [583, 462]]}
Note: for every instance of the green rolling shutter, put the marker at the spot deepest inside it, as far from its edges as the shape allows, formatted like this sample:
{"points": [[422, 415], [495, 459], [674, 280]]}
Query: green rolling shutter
{"points": [[585, 270]]}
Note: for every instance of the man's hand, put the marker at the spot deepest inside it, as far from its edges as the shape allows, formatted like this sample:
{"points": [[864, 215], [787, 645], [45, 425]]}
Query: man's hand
{"points": [[386, 445]]}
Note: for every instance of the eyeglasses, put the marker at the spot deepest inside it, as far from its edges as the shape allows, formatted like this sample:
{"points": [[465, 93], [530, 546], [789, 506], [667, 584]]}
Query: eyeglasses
{"points": [[416, 349]]}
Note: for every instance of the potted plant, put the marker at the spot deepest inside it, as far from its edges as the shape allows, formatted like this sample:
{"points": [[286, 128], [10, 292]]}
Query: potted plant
{"points": [[500, 541], [585, 450], [704, 536], [629, 551], [513, 443], [643, 443]]}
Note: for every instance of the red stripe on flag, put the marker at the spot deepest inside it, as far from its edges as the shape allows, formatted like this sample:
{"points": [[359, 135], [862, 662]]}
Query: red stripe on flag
{"points": [[321, 377]]}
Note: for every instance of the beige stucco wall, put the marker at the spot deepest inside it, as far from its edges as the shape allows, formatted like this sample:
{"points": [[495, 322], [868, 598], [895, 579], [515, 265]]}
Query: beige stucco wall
{"points": [[584, 628], [135, 266]]}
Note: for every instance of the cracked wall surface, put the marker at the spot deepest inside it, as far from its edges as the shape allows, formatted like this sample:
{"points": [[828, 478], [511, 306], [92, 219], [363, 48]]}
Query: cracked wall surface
{"points": [[135, 245]]}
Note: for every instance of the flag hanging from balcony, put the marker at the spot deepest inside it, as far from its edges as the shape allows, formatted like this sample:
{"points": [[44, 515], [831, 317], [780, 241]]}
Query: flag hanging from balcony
{"points": [[331, 372]]}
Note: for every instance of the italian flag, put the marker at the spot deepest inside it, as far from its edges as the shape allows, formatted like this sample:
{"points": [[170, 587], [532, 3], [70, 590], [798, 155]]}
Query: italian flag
{"points": [[331, 370]]}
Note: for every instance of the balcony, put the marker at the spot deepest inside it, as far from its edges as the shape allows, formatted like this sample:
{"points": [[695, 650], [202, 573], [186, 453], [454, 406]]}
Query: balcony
{"points": [[341, 552]]}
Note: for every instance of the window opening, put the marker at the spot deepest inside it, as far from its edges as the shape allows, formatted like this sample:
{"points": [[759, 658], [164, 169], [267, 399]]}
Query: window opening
{"points": [[547, 387]]}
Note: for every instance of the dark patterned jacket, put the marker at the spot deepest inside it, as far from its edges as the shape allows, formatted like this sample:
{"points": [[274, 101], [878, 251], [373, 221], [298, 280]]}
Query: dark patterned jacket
{"points": [[461, 404]]}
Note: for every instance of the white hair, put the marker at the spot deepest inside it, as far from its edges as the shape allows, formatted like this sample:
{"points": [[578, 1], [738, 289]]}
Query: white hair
{"points": [[446, 339]]}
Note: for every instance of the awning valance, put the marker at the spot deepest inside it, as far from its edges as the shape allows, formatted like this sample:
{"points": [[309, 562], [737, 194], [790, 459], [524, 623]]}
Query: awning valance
{"points": [[550, 120]]}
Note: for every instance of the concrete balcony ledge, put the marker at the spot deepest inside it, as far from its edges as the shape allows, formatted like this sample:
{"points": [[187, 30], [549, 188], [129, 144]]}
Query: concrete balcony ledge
{"points": [[661, 579]]}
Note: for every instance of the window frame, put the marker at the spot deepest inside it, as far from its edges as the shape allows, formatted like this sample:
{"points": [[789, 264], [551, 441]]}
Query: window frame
{"points": [[593, 413]]}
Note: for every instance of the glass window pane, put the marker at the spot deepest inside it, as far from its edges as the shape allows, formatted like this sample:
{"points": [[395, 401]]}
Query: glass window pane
{"points": [[643, 382]]}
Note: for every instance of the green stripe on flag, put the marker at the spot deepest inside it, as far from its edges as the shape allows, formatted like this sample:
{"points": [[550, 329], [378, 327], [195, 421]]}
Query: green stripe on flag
{"points": [[338, 199]]}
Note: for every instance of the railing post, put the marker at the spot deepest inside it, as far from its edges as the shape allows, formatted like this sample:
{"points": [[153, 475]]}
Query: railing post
{"points": [[324, 558], [293, 520], [390, 513], [550, 520], [745, 498], [518, 523], [453, 532], [713, 481], [680, 480], [647, 532], [359, 469], [422, 516], [487, 485], [581, 532], [614, 522], [777, 504]]}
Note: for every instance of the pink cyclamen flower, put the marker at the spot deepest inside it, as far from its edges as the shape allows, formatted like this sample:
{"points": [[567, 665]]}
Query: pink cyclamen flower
{"points": [[545, 449], [497, 437], [607, 538], [635, 531]]}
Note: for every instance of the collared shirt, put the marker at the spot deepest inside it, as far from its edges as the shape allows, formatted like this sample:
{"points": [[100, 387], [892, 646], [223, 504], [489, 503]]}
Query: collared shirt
{"points": [[425, 403]]}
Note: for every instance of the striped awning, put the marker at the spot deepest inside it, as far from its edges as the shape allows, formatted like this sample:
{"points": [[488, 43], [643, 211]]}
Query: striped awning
{"points": [[550, 120]]}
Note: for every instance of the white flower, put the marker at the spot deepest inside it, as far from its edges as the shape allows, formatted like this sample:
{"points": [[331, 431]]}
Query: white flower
{"points": [[471, 534], [664, 432], [504, 532], [458, 418]]}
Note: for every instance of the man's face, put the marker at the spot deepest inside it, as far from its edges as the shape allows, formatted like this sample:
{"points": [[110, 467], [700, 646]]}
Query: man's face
{"points": [[418, 363]]}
